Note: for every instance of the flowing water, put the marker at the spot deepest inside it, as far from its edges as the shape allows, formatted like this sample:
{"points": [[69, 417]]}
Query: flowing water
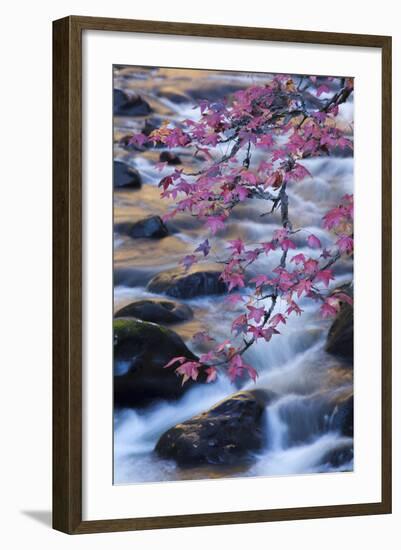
{"points": [[294, 365]]}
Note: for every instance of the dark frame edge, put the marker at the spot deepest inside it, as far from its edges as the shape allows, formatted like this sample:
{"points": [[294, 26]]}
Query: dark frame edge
{"points": [[67, 434], [387, 273], [67, 276], [229, 518]]}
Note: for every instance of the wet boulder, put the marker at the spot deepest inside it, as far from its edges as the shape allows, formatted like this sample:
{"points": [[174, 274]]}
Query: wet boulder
{"points": [[171, 158], [144, 349], [340, 455], [342, 416], [307, 417], [157, 311], [129, 105], [151, 227], [214, 93], [340, 340], [125, 177], [226, 434], [199, 280]]}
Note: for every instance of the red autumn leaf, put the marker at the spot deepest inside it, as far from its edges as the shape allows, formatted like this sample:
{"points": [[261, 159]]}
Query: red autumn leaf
{"points": [[175, 360], [256, 313], [314, 242], [211, 374], [324, 276]]}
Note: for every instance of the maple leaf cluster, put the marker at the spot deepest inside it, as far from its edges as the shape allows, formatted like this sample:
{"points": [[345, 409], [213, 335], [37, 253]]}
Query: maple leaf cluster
{"points": [[277, 120]]}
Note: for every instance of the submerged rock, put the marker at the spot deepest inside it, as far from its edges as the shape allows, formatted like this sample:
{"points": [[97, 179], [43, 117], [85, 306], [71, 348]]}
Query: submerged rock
{"points": [[225, 434], [151, 227], [157, 311], [145, 348], [340, 340], [125, 177], [129, 105], [200, 280]]}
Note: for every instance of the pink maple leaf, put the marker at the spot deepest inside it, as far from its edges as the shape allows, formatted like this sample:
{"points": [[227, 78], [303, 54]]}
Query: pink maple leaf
{"points": [[207, 357], [188, 261], [345, 244], [257, 332], [298, 259], [138, 139], [252, 255], [204, 247], [313, 241], [303, 286], [188, 370], [256, 313], [334, 217], [269, 332], [211, 374], [325, 254], [237, 246], [286, 244], [242, 192], [327, 310], [249, 177], [234, 280], [293, 306], [252, 373], [240, 324], [325, 276], [268, 246], [260, 280], [323, 88], [214, 223], [277, 319], [310, 266], [175, 360]]}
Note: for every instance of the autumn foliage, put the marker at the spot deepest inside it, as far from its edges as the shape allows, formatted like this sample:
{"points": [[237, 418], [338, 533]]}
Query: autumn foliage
{"points": [[289, 119]]}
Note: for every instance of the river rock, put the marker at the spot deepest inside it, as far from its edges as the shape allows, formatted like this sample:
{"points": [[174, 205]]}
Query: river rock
{"points": [[226, 434], [171, 158], [157, 311], [213, 92], [310, 416], [125, 177], [342, 417], [151, 227], [340, 340], [199, 280], [342, 454], [145, 348], [129, 105]]}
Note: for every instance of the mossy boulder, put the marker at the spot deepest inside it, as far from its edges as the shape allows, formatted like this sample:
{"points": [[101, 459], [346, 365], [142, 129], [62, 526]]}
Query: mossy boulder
{"points": [[199, 280], [226, 434], [157, 311], [144, 349]]}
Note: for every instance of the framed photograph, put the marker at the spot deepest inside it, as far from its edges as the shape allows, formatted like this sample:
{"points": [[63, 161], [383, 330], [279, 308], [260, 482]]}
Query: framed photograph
{"points": [[222, 275]]}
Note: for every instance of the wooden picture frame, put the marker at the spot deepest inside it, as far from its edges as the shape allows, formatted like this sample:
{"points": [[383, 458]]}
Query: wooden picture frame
{"points": [[67, 274]]}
